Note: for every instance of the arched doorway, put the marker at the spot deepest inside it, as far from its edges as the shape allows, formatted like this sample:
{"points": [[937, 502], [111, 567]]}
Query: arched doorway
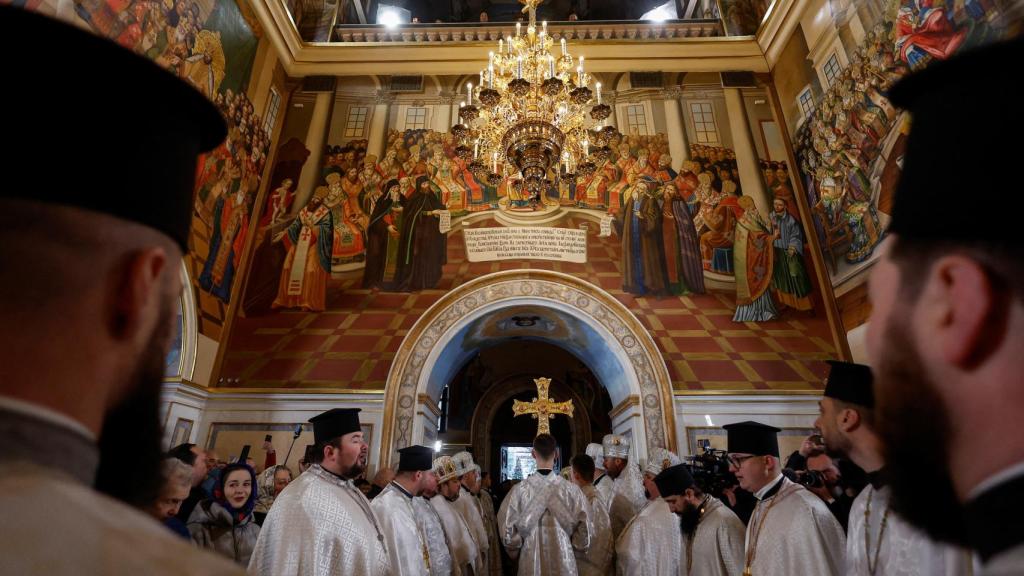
{"points": [[532, 304]]}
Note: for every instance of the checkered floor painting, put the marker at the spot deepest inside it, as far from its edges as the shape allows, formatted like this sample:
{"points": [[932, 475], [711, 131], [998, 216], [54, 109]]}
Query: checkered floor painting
{"points": [[352, 344]]}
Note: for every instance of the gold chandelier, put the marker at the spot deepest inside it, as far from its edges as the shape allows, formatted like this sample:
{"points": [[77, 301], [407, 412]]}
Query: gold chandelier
{"points": [[527, 117]]}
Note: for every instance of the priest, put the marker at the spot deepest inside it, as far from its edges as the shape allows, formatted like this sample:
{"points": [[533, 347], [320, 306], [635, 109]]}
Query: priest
{"points": [[91, 276], [879, 541], [597, 560], [712, 533], [791, 530], [627, 496], [650, 544], [322, 523], [438, 544], [603, 484], [469, 506], [407, 546], [465, 554], [544, 519]]}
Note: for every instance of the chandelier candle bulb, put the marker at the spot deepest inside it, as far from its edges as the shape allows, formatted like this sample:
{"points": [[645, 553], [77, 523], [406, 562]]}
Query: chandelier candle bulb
{"points": [[551, 66], [563, 47], [544, 26], [469, 92], [598, 86], [490, 77], [501, 45], [579, 75], [519, 67], [519, 27], [490, 56]]}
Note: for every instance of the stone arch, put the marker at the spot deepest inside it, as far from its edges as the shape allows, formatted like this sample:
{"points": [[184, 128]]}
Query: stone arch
{"points": [[624, 356]]}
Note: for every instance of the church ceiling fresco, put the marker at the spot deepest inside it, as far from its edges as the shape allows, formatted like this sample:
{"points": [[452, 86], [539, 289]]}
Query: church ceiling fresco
{"points": [[212, 45], [850, 148]]}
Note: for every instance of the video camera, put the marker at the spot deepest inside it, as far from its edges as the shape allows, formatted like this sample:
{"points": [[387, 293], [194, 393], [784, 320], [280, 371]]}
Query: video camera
{"points": [[710, 471], [808, 478]]}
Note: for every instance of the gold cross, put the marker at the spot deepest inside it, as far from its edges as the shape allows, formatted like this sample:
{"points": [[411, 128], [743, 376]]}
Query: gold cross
{"points": [[542, 408]]}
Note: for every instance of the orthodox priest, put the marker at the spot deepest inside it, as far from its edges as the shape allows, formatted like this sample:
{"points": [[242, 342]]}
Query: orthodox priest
{"points": [[878, 540], [597, 560], [322, 523], [603, 484], [650, 544], [791, 530], [433, 532], [627, 498], [90, 282], [712, 533], [406, 542], [544, 518], [465, 554], [469, 506]]}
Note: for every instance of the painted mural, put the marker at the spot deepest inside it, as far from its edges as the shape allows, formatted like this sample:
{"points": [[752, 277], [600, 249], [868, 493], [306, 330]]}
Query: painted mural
{"points": [[212, 46], [380, 218], [851, 147]]}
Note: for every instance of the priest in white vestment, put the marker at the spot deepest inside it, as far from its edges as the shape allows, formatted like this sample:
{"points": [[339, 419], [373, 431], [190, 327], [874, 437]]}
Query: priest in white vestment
{"points": [[650, 544], [483, 496], [712, 533], [627, 494], [596, 561], [603, 484], [321, 523], [878, 541], [438, 546], [791, 530], [465, 554], [469, 506], [91, 281], [544, 520], [406, 542]]}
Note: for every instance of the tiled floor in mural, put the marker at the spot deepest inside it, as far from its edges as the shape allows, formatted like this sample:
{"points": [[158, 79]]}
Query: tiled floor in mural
{"points": [[352, 344]]}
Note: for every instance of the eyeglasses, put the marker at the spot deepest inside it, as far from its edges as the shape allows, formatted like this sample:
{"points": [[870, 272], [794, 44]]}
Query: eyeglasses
{"points": [[737, 461]]}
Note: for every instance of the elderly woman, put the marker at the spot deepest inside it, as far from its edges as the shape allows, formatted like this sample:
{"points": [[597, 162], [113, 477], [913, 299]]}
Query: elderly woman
{"points": [[177, 478], [225, 523], [270, 483]]}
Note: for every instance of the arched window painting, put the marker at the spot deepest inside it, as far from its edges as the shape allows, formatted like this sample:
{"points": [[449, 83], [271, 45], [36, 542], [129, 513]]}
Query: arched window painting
{"points": [[172, 365]]}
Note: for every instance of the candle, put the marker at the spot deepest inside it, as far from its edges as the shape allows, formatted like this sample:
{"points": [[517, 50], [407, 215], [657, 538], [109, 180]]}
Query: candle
{"points": [[544, 26], [519, 66], [481, 78], [490, 58], [551, 66], [462, 104], [501, 45], [469, 92], [581, 66], [508, 44], [563, 47], [598, 86], [579, 75], [490, 76], [518, 29]]}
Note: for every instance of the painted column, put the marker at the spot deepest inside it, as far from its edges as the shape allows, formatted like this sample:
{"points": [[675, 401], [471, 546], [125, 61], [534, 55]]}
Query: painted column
{"points": [[678, 147], [316, 140], [379, 125], [746, 152]]}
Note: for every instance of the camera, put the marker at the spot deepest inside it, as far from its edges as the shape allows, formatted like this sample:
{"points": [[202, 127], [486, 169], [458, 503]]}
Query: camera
{"points": [[710, 471], [808, 478]]}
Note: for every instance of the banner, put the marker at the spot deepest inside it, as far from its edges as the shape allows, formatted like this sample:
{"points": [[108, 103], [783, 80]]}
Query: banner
{"points": [[526, 243]]}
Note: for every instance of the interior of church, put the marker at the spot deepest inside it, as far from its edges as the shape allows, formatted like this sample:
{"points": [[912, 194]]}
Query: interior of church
{"points": [[372, 235]]}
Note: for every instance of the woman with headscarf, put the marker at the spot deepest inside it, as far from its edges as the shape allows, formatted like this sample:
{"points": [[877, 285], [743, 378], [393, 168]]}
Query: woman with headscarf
{"points": [[225, 523], [270, 482]]}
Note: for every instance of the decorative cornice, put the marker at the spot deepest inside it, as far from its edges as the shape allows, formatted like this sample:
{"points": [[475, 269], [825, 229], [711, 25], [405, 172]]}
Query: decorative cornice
{"points": [[474, 32], [624, 406]]}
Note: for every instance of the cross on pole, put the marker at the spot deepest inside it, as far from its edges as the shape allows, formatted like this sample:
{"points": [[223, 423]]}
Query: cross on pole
{"points": [[542, 408]]}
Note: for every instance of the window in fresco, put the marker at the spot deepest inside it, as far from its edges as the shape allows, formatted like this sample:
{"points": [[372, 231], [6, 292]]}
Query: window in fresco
{"points": [[172, 365], [832, 69], [636, 119], [356, 121], [273, 107], [415, 118], [806, 100], [704, 125]]}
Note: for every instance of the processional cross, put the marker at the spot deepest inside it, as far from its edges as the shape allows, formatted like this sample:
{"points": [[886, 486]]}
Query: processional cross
{"points": [[542, 408]]}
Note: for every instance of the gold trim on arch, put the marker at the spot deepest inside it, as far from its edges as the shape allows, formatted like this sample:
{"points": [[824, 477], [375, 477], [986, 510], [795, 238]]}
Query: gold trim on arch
{"points": [[645, 341], [630, 401]]}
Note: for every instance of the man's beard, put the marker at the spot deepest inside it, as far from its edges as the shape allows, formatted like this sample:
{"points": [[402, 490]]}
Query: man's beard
{"points": [[689, 518], [129, 443], [358, 467], [915, 429]]}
